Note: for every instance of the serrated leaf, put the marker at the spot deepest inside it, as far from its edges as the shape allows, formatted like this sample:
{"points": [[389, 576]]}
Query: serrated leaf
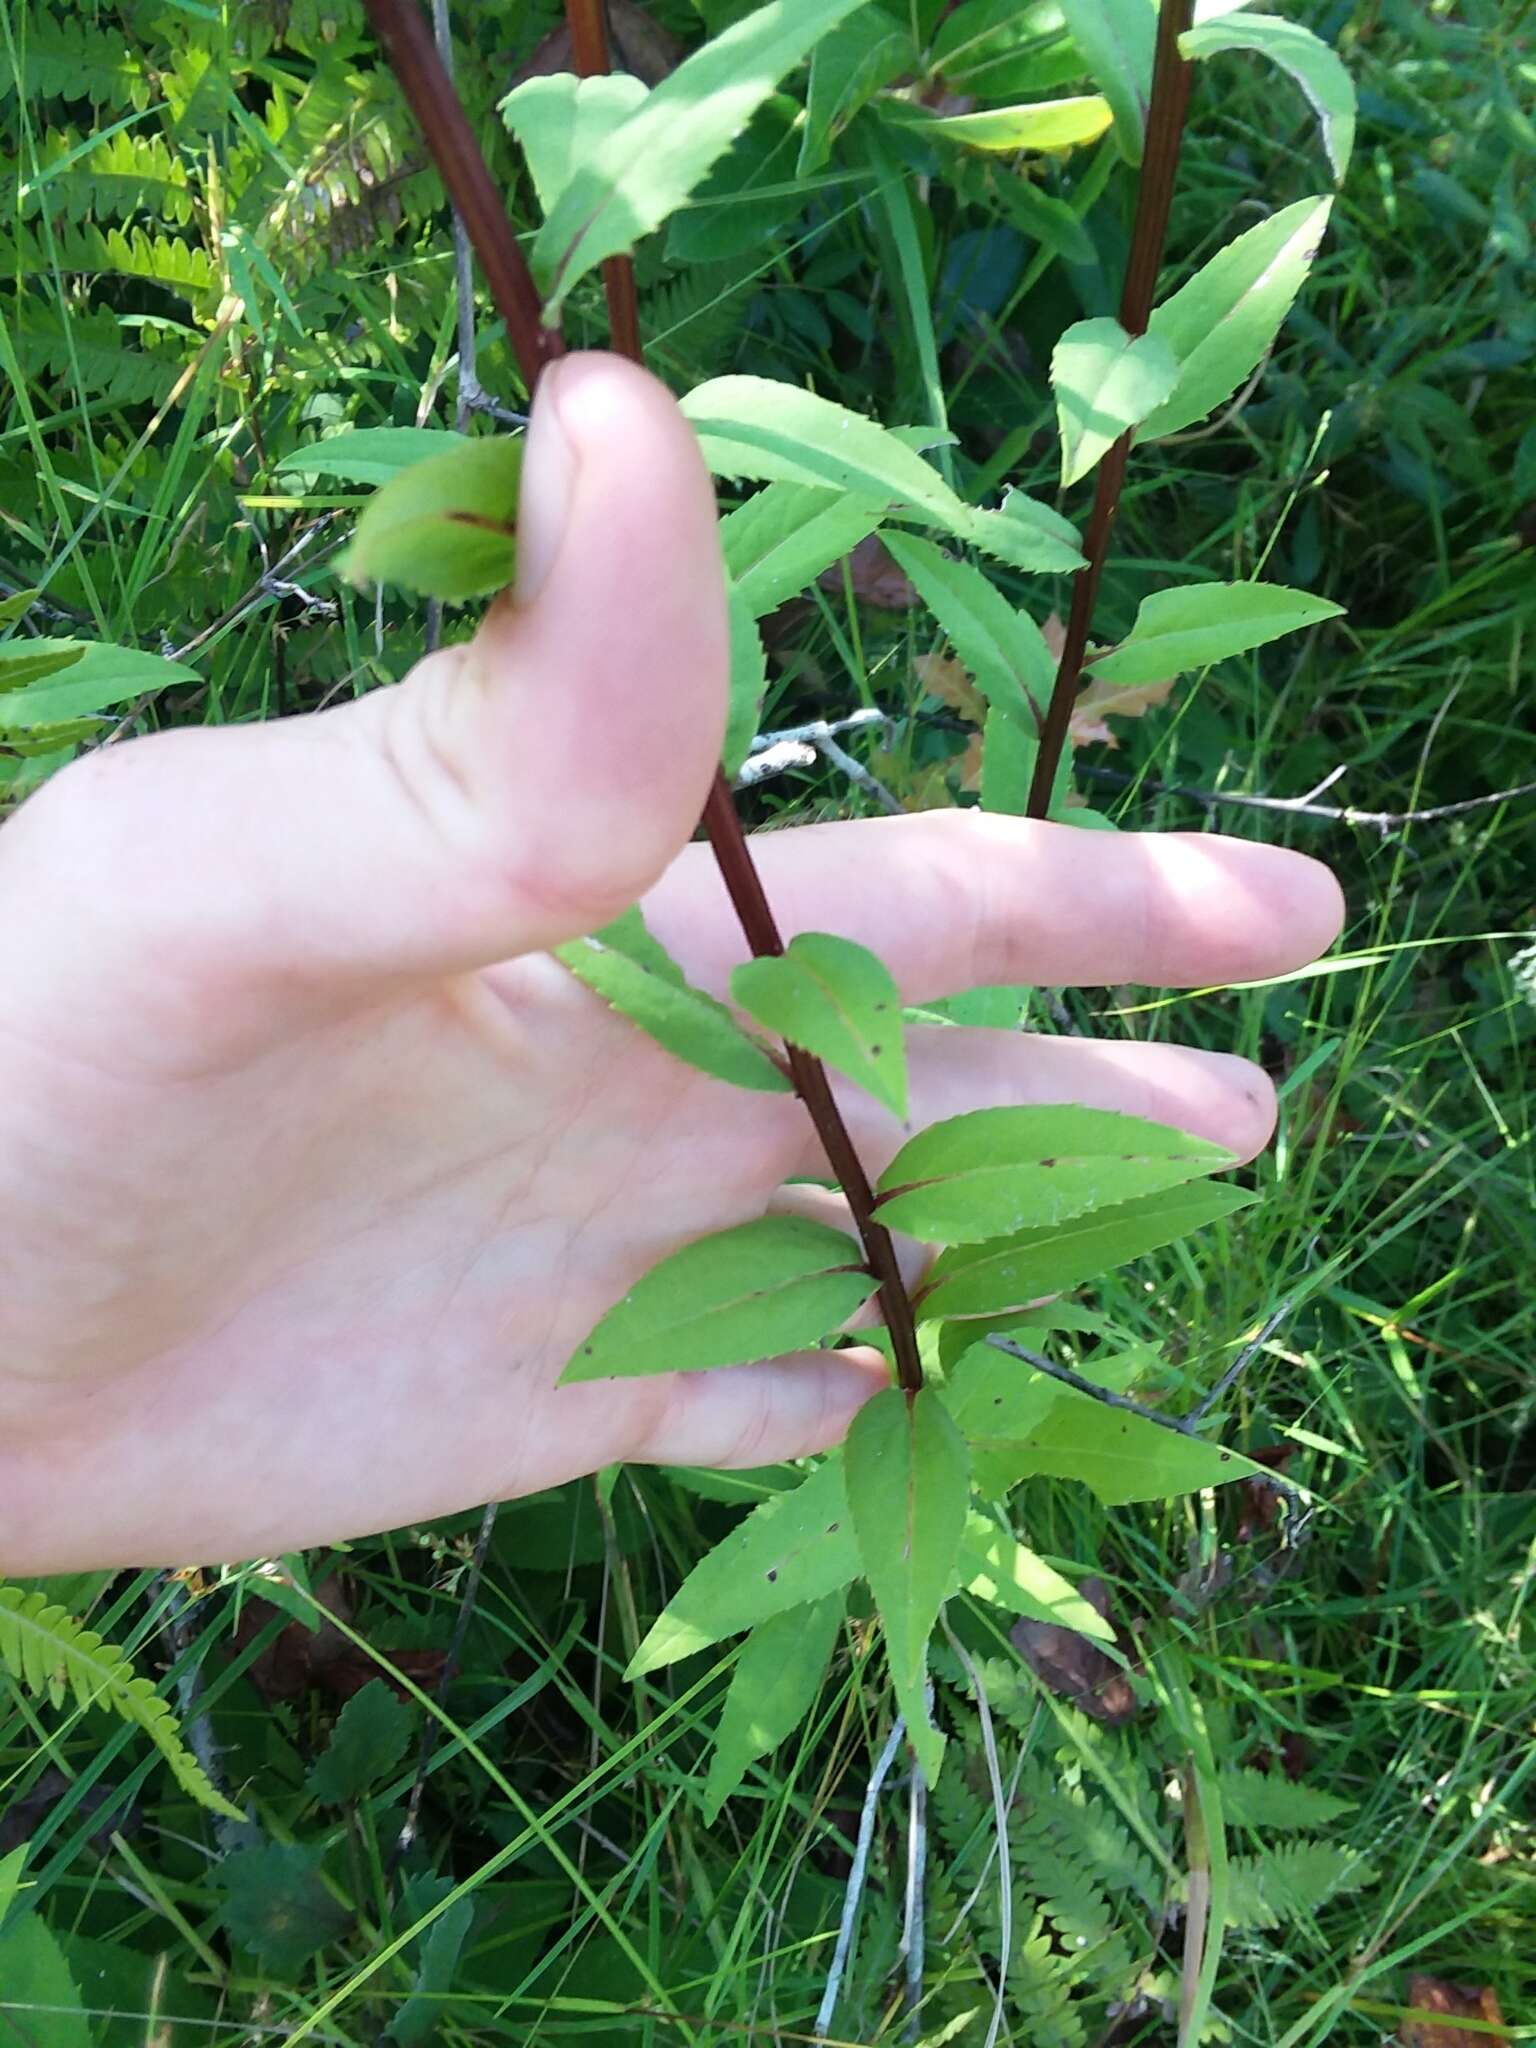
{"points": [[99, 677], [1003, 648], [27, 661], [1313, 64], [1117, 39], [781, 1283], [1106, 381], [1292, 1880], [444, 528], [1201, 623], [633, 972], [276, 1904], [1221, 321], [1260, 1800], [40, 2002], [863, 53], [559, 121], [1039, 124], [748, 682], [793, 1549], [644, 169], [371, 455], [995, 1567], [991, 1171], [908, 1478], [1008, 1272], [371, 1735], [755, 428], [421, 2017], [837, 1000], [1124, 1457], [773, 1688], [785, 536]]}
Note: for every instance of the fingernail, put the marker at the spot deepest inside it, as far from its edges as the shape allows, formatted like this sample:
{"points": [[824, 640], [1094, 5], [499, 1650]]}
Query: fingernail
{"points": [[549, 483]]}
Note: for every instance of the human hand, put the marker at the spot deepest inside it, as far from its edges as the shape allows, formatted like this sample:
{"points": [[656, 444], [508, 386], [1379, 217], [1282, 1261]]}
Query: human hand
{"points": [[314, 1168]]}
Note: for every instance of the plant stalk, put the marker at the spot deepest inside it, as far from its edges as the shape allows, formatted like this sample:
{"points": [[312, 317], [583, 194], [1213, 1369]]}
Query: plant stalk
{"points": [[408, 44], [1166, 109]]}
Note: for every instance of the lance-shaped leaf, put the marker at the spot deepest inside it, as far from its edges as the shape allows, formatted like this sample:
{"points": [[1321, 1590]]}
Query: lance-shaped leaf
{"points": [[780, 1283], [995, 1171], [95, 677], [1200, 623], [908, 1476], [848, 67], [794, 1548], [444, 528], [1223, 320], [633, 971], [783, 538], [774, 1686], [1106, 381], [1124, 1457], [560, 119], [17, 605], [1002, 647], [1038, 124], [371, 455], [997, 1568], [644, 169], [1005, 1273], [1309, 60], [837, 1000], [1118, 39], [28, 661], [999, 1403], [776, 433], [748, 681]]}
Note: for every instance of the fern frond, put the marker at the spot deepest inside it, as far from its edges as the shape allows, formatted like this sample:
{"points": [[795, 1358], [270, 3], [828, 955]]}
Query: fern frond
{"points": [[121, 177], [1290, 1882], [92, 252], [56, 1657], [1254, 1799], [73, 60], [90, 352], [694, 321]]}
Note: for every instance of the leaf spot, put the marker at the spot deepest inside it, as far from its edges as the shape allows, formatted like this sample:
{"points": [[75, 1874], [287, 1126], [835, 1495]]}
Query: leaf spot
{"points": [[772, 1575]]}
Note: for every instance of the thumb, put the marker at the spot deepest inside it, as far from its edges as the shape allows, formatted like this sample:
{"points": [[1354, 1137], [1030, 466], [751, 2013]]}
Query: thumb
{"points": [[508, 795]]}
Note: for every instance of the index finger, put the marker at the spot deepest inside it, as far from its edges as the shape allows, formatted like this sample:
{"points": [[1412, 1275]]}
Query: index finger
{"points": [[952, 900]]}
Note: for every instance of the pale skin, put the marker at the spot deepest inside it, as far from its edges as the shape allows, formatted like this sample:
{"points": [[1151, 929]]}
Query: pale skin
{"points": [[314, 1167]]}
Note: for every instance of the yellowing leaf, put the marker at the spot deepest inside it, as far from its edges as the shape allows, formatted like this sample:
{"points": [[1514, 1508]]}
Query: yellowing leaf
{"points": [[1103, 700], [1038, 124]]}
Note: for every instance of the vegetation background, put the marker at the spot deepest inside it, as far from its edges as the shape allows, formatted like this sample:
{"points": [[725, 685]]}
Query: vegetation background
{"points": [[223, 241]]}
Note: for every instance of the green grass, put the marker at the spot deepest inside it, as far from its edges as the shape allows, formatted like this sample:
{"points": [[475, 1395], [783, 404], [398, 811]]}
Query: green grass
{"points": [[1391, 1654]]}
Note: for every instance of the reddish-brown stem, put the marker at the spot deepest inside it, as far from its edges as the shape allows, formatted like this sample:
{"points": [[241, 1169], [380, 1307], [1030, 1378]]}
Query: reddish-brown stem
{"points": [[408, 44], [1154, 200]]}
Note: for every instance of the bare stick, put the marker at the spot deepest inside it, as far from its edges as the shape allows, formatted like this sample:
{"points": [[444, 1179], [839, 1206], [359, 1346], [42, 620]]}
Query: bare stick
{"points": [[1304, 807], [1000, 1815], [1180, 1425], [1154, 199], [1243, 1360], [856, 1877]]}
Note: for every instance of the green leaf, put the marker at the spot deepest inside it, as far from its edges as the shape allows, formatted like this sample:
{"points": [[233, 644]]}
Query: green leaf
{"points": [[994, 1398], [995, 1567], [908, 1476], [444, 528], [421, 2016], [748, 682], [1003, 648], [791, 1550], [1261, 1800], [837, 1000], [100, 676], [781, 1283], [1049, 221], [777, 433], [277, 1905], [1224, 319], [784, 537], [646, 167], [1201, 623], [631, 970], [1124, 1457], [559, 121], [25, 661], [1042, 124], [1315, 67], [774, 1686], [371, 455], [1008, 1272], [1106, 382], [848, 67], [17, 605], [1117, 39], [372, 1734], [40, 2004], [991, 1171], [11, 1867]]}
